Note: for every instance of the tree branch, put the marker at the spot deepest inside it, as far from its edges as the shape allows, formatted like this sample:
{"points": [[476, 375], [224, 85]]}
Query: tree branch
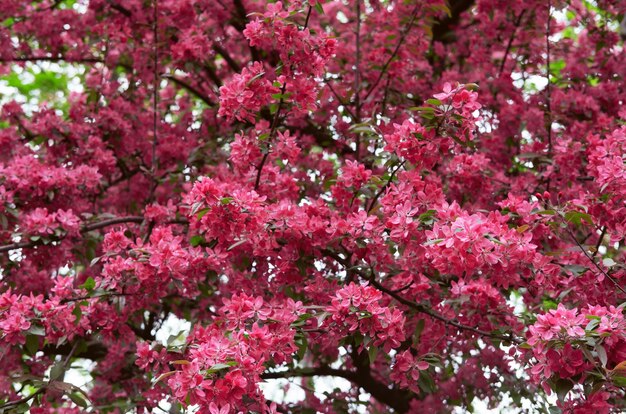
{"points": [[442, 28], [384, 187], [194, 91], [423, 309], [419, 307], [394, 398], [85, 229], [405, 32], [592, 260], [518, 21]]}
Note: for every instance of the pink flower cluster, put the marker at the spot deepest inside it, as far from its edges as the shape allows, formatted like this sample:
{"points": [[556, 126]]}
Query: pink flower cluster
{"points": [[462, 243], [244, 95], [41, 222], [221, 367], [567, 342], [406, 370], [356, 308], [415, 143], [302, 53], [607, 162]]}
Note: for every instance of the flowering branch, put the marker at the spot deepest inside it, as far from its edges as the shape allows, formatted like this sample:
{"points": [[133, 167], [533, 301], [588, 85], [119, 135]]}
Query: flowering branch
{"points": [[85, 229]]}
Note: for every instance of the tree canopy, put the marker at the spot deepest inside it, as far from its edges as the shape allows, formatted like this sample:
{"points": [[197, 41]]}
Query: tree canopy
{"points": [[309, 206]]}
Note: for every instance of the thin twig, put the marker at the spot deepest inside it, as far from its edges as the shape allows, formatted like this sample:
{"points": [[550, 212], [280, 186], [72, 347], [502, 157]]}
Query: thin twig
{"points": [[423, 309], [155, 102], [357, 79], [405, 32], [341, 100], [22, 400], [599, 243], [194, 91], [384, 187], [51, 59], [85, 229], [416, 306], [274, 126], [518, 21], [548, 86], [597, 266], [257, 182]]}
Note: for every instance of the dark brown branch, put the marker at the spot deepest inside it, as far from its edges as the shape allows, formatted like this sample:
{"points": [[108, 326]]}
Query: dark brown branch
{"points": [[85, 229], [394, 398], [442, 29], [599, 243], [21, 401], [94, 351], [518, 21], [548, 86], [120, 9], [416, 306], [592, 260], [384, 187], [239, 23], [423, 309], [50, 59], [194, 91], [91, 227], [257, 182], [357, 79], [405, 32], [310, 372], [43, 388], [224, 54]]}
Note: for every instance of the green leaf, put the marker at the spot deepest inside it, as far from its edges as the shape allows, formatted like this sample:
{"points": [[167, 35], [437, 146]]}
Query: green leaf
{"points": [[602, 355], [619, 381], [196, 240], [36, 330], [89, 284], [562, 387], [433, 101], [372, 352], [78, 312], [217, 367], [319, 8], [577, 217], [427, 216], [433, 241], [419, 327], [57, 371], [303, 345], [422, 108], [22, 408], [32, 344], [78, 400], [592, 325], [202, 212]]}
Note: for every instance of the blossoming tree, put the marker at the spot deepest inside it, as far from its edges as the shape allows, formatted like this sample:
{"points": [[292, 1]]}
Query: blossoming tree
{"points": [[421, 201]]}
